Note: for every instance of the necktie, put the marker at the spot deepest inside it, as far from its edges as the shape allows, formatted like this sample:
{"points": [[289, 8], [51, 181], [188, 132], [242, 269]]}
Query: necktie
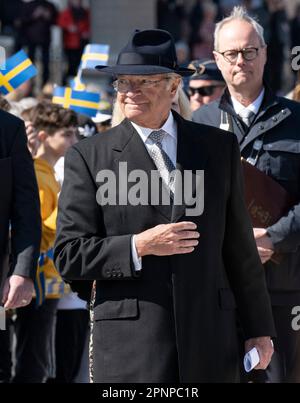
{"points": [[247, 116], [161, 159]]}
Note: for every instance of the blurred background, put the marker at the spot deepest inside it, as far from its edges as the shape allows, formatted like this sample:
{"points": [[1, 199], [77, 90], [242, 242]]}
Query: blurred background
{"points": [[48, 38]]}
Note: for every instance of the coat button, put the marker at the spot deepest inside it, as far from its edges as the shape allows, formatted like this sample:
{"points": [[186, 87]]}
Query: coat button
{"points": [[120, 275], [261, 127], [114, 275], [274, 119], [107, 273], [283, 111]]}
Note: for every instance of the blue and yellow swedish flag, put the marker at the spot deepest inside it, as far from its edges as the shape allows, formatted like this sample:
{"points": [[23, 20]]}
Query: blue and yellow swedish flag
{"points": [[18, 69], [83, 102], [94, 55]]}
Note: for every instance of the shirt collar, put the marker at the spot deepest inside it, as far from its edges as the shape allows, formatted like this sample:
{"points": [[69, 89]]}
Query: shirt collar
{"points": [[254, 106], [169, 127]]}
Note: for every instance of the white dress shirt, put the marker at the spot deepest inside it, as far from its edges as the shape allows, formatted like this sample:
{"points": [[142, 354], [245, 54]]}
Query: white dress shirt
{"points": [[253, 107], [169, 145]]}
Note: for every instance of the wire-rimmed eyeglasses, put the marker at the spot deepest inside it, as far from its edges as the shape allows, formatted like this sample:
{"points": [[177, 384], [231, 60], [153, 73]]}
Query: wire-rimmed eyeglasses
{"points": [[124, 85], [232, 55]]}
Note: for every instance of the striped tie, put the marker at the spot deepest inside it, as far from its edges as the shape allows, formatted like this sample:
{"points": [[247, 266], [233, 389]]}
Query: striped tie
{"points": [[161, 159]]}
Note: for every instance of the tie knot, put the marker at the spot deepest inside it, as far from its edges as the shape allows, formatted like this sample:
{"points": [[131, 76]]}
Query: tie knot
{"points": [[157, 136], [247, 116], [246, 113]]}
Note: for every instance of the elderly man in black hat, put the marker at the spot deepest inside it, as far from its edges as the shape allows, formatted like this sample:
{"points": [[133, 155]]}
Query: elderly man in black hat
{"points": [[206, 84], [165, 297]]}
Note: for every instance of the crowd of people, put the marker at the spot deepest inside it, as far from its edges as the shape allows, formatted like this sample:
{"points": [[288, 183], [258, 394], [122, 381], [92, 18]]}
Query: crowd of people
{"points": [[161, 289]]}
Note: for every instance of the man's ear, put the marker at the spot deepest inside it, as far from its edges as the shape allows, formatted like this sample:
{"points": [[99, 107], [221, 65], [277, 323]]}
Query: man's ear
{"points": [[174, 87], [265, 53], [217, 58]]}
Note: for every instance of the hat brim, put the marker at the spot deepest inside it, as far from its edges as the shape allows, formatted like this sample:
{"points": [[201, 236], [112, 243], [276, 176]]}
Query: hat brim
{"points": [[141, 69], [215, 76]]}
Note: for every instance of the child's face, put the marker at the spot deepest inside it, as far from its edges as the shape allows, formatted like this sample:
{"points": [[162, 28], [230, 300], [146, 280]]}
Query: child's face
{"points": [[61, 140]]}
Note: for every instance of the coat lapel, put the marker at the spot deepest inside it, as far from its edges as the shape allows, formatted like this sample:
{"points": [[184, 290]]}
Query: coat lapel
{"points": [[191, 157]]}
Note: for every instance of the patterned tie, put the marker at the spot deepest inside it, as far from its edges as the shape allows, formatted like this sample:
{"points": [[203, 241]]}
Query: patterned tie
{"points": [[247, 116], [161, 159]]}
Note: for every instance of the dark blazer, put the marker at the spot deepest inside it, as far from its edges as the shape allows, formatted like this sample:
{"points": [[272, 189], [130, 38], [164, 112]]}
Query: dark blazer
{"points": [[277, 125], [19, 203], [174, 321]]}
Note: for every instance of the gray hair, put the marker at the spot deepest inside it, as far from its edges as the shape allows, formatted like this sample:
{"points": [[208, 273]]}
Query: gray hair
{"points": [[173, 77], [239, 13]]}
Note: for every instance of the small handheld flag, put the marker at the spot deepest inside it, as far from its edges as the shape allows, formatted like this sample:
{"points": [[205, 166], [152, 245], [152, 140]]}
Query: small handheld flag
{"points": [[83, 102], [18, 69], [94, 55]]}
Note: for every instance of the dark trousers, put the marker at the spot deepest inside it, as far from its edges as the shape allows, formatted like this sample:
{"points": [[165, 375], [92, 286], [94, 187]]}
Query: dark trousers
{"points": [[73, 57], [35, 332], [285, 364], [71, 333], [5, 352], [45, 59]]}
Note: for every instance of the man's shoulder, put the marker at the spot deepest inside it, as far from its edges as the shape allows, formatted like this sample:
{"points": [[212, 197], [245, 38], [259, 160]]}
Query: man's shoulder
{"points": [[208, 114], [208, 133], [9, 120], [102, 142], [294, 106]]}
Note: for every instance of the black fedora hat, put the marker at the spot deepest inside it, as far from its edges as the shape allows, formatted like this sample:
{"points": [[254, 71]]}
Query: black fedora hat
{"points": [[150, 51]]}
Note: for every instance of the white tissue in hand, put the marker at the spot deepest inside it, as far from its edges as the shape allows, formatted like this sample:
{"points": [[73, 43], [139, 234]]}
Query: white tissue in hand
{"points": [[251, 359]]}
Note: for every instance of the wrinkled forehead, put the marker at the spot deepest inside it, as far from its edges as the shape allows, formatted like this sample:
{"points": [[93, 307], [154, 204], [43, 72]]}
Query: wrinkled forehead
{"points": [[238, 35]]}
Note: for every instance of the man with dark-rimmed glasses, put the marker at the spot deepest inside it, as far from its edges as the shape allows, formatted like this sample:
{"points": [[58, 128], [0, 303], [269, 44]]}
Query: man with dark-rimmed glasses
{"points": [[267, 128]]}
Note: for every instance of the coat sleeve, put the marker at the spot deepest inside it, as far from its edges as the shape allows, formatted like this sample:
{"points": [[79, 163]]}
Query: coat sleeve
{"points": [[82, 249], [285, 233], [25, 215], [244, 269]]}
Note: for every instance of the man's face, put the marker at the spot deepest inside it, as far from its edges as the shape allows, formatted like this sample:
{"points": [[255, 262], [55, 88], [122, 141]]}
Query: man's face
{"points": [[61, 140], [203, 92], [146, 100], [242, 74]]}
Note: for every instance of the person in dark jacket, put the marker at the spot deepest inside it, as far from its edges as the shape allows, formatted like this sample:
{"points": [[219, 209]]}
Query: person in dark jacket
{"points": [[34, 26], [164, 308], [19, 211], [268, 130]]}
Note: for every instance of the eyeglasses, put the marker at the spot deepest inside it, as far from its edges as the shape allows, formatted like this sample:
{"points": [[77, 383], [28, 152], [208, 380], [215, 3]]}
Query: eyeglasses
{"points": [[231, 56], [123, 85], [203, 91]]}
